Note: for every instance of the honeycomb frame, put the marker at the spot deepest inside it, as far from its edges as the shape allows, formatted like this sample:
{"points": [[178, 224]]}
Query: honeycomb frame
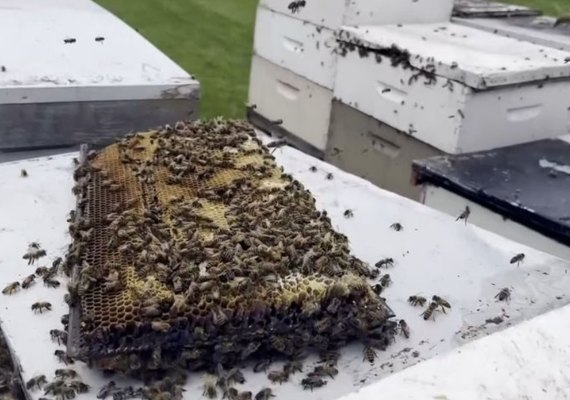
{"points": [[197, 221]]}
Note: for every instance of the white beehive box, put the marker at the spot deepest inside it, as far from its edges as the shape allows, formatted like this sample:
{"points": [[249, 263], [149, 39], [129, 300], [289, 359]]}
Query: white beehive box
{"points": [[457, 88], [335, 13], [303, 105], [72, 72], [306, 49]]}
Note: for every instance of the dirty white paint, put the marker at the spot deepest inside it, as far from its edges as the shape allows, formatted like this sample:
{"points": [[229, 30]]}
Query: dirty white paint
{"points": [[41, 67], [433, 254], [452, 204], [335, 13], [441, 108], [528, 361], [307, 50]]}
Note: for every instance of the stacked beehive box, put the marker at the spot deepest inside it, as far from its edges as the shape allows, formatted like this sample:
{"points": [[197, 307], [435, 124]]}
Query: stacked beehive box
{"points": [[407, 84]]}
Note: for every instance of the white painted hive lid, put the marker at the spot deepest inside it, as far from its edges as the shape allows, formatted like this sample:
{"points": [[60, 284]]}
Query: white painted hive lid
{"points": [[476, 58], [34, 54]]}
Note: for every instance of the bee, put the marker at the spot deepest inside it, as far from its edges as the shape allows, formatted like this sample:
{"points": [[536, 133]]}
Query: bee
{"points": [[112, 282], [330, 357], [278, 376], [264, 394], [378, 289], [235, 375], [417, 300], [24, 173], [79, 386], [63, 357], [262, 366], [369, 354], [313, 168], [34, 252], [151, 311], [209, 387], [56, 263], [348, 213], [518, 259], [429, 312], [56, 388], [464, 214], [385, 262], [441, 302], [325, 370], [36, 382], [49, 282], [69, 40], [504, 295], [160, 326], [397, 226], [312, 382], [59, 336], [292, 367], [330, 176], [385, 281], [66, 373], [106, 390], [404, 328], [11, 288], [28, 281], [41, 271]]}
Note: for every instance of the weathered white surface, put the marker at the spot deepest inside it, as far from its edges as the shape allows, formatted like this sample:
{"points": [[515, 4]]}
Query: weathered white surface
{"points": [[335, 13], [304, 48], [474, 57], [304, 106], [433, 255], [528, 361], [446, 113], [448, 202], [539, 30], [40, 67]]}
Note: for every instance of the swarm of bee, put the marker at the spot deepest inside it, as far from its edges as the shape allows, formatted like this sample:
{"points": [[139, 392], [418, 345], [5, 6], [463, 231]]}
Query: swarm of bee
{"points": [[192, 248]]}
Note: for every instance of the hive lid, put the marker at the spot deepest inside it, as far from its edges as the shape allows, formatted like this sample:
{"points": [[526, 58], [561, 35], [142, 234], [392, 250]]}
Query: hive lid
{"points": [[482, 8], [527, 183], [476, 58], [103, 59]]}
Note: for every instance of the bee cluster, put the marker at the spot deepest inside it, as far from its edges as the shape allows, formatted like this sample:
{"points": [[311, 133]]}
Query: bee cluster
{"points": [[193, 249]]}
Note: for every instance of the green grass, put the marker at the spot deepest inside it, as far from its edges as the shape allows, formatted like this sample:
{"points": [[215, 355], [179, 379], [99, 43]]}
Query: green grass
{"points": [[213, 39]]}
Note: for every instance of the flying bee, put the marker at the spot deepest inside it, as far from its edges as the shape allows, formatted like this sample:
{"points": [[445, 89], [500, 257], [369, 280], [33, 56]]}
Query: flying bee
{"points": [[63, 357], [278, 376], [36, 382], [518, 259], [28, 281], [330, 176], [404, 328], [34, 253], [24, 173], [49, 282], [385, 281], [464, 214], [59, 336], [312, 382], [417, 300], [429, 312], [348, 213], [385, 262], [64, 373], [504, 295], [41, 306], [442, 302], [264, 394], [397, 226], [209, 387], [369, 354], [11, 288], [313, 168]]}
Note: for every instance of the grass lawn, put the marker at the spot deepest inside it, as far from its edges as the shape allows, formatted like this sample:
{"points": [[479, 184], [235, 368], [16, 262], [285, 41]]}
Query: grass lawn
{"points": [[212, 39]]}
